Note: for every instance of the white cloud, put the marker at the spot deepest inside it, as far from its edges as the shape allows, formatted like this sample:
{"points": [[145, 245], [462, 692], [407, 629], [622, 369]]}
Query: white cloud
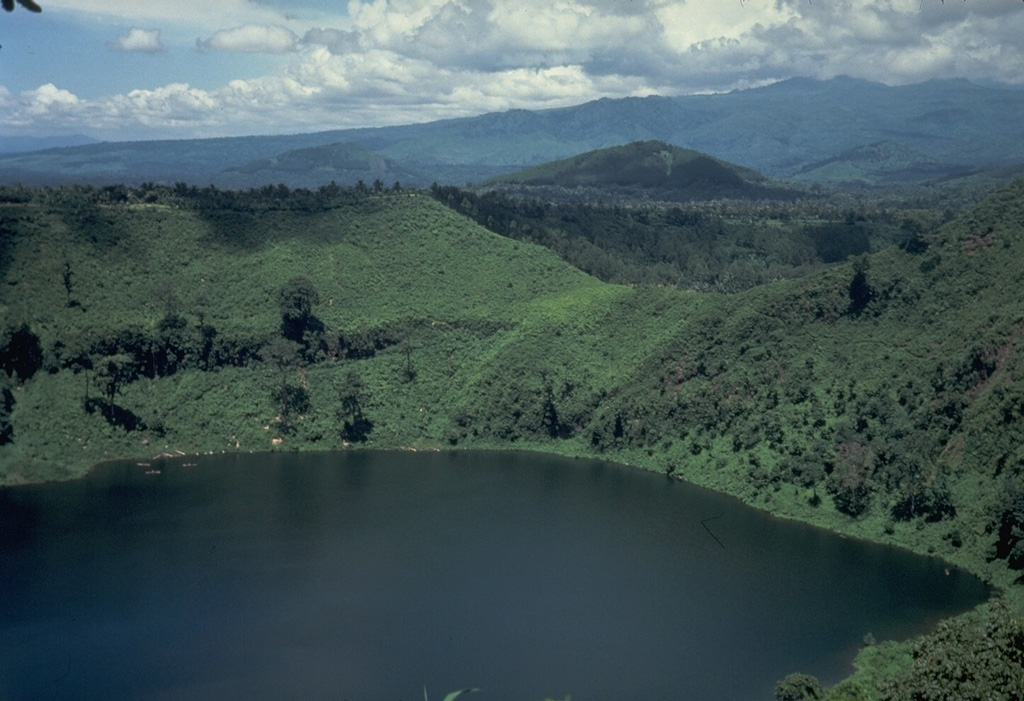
{"points": [[251, 38], [49, 98], [45, 105], [895, 41], [688, 24], [398, 61], [319, 91], [139, 40]]}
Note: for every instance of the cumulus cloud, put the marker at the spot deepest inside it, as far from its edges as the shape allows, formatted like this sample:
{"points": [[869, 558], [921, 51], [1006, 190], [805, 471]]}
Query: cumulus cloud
{"points": [[398, 61], [895, 41], [138, 40], [251, 38], [48, 98]]}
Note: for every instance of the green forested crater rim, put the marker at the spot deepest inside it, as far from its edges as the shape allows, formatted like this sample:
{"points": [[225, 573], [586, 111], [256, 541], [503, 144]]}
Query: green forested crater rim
{"points": [[476, 339], [881, 398]]}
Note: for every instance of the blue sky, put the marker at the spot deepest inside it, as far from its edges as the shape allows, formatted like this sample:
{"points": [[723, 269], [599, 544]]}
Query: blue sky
{"points": [[118, 69]]}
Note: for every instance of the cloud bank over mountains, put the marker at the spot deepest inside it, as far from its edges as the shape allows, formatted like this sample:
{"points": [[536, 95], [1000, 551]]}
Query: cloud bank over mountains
{"points": [[388, 62]]}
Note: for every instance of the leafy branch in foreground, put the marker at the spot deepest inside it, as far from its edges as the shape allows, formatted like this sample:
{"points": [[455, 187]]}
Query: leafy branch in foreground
{"points": [[27, 4], [450, 697], [456, 694]]}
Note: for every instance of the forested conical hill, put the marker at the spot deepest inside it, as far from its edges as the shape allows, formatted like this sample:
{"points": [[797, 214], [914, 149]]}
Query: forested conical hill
{"points": [[882, 398], [664, 171]]}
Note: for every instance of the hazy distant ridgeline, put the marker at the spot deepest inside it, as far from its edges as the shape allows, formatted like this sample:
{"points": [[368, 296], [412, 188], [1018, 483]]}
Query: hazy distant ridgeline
{"points": [[938, 128]]}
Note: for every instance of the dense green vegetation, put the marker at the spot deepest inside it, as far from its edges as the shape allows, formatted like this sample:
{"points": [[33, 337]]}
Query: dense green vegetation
{"points": [[719, 245], [880, 397]]}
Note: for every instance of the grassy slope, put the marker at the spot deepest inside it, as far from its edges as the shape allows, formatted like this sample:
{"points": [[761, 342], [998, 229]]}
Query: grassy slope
{"points": [[724, 391], [404, 261]]}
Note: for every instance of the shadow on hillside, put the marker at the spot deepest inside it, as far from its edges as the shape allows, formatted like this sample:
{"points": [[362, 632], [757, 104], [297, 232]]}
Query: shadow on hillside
{"points": [[247, 220], [239, 232], [6, 249], [357, 430], [115, 415], [102, 228]]}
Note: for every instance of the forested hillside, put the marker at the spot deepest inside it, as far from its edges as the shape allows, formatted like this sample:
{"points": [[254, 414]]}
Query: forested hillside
{"points": [[881, 397], [719, 245]]}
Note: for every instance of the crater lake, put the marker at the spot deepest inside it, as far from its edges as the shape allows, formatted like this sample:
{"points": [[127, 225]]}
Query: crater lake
{"points": [[370, 575]]}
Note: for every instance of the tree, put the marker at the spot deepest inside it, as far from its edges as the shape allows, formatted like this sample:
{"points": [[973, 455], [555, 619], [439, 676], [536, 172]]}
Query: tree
{"points": [[22, 354], [207, 334], [165, 291], [848, 482], [6, 406], [406, 345], [296, 300], [112, 373], [860, 291], [799, 687], [284, 356], [971, 657], [170, 347], [355, 426], [82, 363], [66, 277], [1010, 527]]}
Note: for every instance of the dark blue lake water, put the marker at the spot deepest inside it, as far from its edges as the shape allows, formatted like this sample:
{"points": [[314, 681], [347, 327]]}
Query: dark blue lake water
{"points": [[368, 575]]}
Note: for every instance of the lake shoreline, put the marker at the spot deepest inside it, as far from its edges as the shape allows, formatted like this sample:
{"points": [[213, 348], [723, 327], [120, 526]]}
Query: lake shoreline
{"points": [[665, 511], [168, 453]]}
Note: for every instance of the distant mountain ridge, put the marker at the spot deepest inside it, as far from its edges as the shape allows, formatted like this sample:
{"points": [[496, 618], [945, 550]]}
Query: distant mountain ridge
{"points": [[881, 163], [310, 167], [24, 144], [778, 130]]}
